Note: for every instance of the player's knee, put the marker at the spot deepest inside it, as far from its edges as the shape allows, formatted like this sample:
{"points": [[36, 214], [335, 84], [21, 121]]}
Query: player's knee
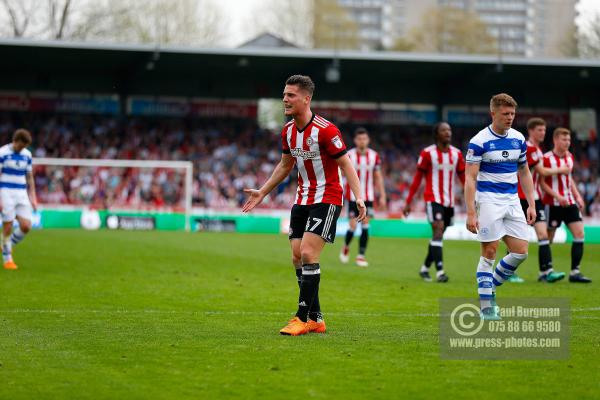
{"points": [[25, 227], [489, 253], [297, 260], [307, 255]]}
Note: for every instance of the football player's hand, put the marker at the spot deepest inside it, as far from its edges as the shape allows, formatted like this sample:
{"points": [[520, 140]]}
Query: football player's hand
{"points": [[407, 210], [562, 201], [362, 210], [472, 223], [580, 203], [531, 214], [34, 204], [255, 197], [564, 170]]}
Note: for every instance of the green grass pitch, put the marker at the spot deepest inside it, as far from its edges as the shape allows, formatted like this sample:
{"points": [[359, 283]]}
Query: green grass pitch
{"points": [[138, 315]]}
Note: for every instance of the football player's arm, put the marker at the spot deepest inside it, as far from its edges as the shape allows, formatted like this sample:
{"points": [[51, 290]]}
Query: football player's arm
{"points": [[460, 169], [551, 192], [545, 171], [31, 190], [578, 197], [282, 170], [378, 176], [347, 168], [527, 185], [414, 186], [471, 171]]}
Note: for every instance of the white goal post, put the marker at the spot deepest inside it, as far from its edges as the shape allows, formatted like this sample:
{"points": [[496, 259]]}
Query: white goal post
{"points": [[187, 166]]}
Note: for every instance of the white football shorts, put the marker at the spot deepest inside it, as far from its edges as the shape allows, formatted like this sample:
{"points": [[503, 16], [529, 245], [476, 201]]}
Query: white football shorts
{"points": [[499, 220], [15, 202]]}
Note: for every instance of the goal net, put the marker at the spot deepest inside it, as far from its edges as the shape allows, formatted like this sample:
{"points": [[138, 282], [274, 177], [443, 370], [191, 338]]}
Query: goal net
{"points": [[115, 185]]}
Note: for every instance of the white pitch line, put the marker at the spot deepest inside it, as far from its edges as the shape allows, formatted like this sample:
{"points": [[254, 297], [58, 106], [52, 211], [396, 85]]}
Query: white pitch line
{"points": [[215, 312]]}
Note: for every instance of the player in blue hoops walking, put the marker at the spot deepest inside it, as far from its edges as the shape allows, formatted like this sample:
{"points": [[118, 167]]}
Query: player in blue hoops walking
{"points": [[496, 162]]}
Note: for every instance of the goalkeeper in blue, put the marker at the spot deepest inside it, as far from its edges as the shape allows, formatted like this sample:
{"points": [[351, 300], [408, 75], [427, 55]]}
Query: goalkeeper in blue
{"points": [[496, 161]]}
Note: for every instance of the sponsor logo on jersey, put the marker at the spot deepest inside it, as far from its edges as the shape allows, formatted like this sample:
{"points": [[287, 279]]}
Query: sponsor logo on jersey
{"points": [[505, 154], [304, 154], [309, 141]]}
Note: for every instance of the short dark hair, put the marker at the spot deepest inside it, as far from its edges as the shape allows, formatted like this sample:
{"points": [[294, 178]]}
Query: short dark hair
{"points": [[22, 136], [533, 123], [436, 129], [361, 131], [303, 82]]}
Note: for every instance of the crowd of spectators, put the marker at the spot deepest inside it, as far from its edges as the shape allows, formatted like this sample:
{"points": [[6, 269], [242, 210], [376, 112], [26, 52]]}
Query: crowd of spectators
{"points": [[228, 155]]}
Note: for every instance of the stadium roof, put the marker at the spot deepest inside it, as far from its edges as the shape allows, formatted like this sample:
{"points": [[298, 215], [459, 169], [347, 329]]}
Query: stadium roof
{"points": [[253, 72]]}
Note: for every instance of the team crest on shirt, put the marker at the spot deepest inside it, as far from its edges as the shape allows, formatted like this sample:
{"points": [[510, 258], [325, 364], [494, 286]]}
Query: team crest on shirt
{"points": [[515, 143], [309, 141], [337, 142], [492, 146]]}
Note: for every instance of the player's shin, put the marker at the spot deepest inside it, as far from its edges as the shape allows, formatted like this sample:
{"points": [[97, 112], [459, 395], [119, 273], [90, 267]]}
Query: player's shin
{"points": [[544, 256], [364, 239], [311, 276], [507, 267], [436, 247], [6, 248], [17, 235], [298, 275], [349, 236], [485, 284], [428, 258], [576, 253]]}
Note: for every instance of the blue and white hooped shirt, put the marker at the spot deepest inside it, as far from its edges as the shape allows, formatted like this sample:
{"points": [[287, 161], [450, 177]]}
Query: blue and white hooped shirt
{"points": [[499, 158], [15, 167]]}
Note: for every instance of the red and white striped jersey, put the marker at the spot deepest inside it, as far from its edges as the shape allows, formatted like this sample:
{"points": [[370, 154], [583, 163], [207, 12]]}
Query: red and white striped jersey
{"points": [[534, 156], [439, 168], [316, 148], [365, 165], [561, 183]]}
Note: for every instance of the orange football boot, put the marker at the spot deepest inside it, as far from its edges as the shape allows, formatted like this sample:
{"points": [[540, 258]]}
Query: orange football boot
{"points": [[295, 327], [316, 326], [10, 265]]}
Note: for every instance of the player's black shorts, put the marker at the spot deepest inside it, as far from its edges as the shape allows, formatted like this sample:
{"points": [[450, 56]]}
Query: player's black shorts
{"points": [[437, 212], [558, 214], [540, 210], [353, 209], [320, 219]]}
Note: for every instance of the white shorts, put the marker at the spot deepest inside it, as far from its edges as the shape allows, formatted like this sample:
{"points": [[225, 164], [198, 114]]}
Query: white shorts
{"points": [[499, 220], [15, 202]]}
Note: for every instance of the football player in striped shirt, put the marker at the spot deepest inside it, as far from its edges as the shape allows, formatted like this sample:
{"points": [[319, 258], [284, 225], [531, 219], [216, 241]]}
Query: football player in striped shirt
{"points": [[316, 147], [536, 131], [439, 163], [367, 164], [563, 201], [496, 161], [17, 193]]}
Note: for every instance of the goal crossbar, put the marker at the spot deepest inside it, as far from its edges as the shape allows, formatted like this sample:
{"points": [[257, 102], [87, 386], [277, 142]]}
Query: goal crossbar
{"points": [[121, 163]]}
